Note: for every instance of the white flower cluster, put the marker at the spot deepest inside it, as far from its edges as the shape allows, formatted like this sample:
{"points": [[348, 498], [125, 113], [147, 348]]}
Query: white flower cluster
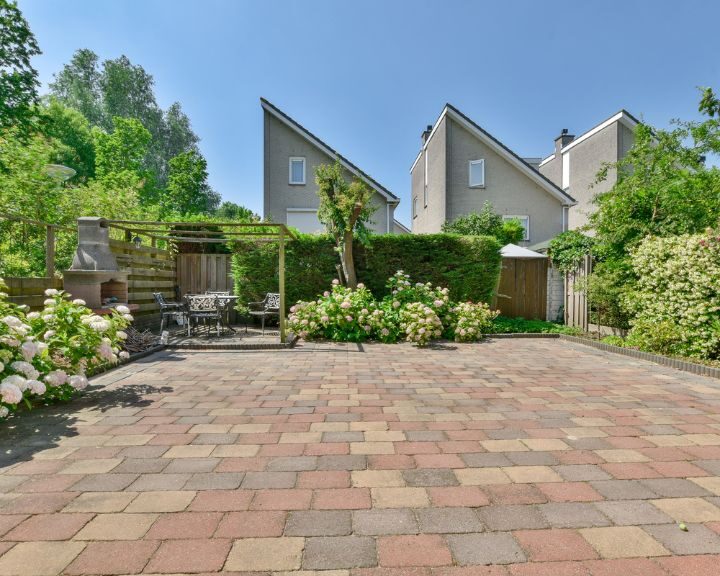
{"points": [[420, 323], [472, 321]]}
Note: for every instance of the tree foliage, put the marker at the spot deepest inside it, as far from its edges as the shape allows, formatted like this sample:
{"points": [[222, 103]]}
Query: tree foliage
{"points": [[487, 223], [18, 79], [568, 249], [188, 191], [345, 210]]}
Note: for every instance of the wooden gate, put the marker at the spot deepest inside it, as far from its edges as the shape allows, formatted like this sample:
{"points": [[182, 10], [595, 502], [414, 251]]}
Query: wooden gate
{"points": [[522, 292], [576, 303], [197, 273]]}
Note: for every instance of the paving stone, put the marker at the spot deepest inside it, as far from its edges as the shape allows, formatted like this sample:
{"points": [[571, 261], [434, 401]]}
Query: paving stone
{"points": [[319, 523], [251, 524], [377, 478], [292, 464], [430, 477], [260, 480], [104, 482], [492, 548], [343, 498], [623, 490], [378, 522], [191, 465], [573, 515], [675, 487], [222, 500], [532, 458], [117, 527], [517, 517], [339, 552], [623, 542], [175, 556], [631, 512], [482, 460], [448, 520], [688, 509], [420, 550], [690, 565], [471, 496], [581, 472], [697, 540], [399, 497], [184, 525], [152, 482], [39, 558], [122, 557], [554, 545], [214, 481], [349, 462], [161, 501]]}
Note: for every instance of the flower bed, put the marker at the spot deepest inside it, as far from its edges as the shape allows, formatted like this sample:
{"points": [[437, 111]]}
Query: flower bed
{"points": [[45, 355], [416, 313]]}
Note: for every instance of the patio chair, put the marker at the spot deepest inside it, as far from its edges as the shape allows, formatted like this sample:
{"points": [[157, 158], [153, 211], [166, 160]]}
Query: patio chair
{"points": [[171, 310], [204, 307], [268, 308]]}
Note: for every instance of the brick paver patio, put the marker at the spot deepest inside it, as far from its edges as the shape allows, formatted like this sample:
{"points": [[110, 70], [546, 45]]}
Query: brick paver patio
{"points": [[506, 458]]}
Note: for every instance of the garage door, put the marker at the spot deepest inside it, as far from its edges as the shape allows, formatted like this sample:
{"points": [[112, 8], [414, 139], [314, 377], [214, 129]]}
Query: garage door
{"points": [[305, 220]]}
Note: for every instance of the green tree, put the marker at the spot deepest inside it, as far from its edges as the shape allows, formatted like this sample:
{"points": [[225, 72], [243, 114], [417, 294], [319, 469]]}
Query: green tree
{"points": [[18, 79], [188, 191], [345, 210], [487, 223], [77, 85], [231, 211], [69, 127]]}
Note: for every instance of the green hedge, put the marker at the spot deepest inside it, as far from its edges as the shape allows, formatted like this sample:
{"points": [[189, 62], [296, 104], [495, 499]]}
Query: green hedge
{"points": [[468, 265]]}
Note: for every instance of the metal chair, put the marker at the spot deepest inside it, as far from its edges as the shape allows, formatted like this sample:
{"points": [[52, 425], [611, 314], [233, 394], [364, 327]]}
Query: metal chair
{"points": [[204, 307], [172, 310], [269, 307]]}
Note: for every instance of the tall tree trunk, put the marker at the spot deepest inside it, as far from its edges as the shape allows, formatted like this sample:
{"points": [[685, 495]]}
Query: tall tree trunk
{"points": [[348, 261]]}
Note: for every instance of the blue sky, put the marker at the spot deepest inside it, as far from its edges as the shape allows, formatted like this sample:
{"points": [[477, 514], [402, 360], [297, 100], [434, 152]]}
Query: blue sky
{"points": [[366, 76]]}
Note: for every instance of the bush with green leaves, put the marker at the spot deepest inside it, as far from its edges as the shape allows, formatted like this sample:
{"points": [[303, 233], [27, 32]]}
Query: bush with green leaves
{"points": [[468, 266], [676, 299], [45, 355], [416, 313]]}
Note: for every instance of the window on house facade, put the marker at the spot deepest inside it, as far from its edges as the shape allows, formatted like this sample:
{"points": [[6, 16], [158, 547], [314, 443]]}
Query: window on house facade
{"points": [[425, 187], [414, 208], [524, 220], [297, 170], [476, 173], [566, 170]]}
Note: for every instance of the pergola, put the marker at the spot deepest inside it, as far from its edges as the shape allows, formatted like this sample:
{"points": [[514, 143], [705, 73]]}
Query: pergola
{"points": [[222, 233]]}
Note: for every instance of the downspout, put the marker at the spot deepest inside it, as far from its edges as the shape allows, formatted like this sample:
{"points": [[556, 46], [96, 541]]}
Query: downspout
{"points": [[387, 211]]}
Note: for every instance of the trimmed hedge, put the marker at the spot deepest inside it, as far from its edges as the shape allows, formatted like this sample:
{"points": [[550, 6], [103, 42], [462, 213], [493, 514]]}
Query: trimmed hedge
{"points": [[469, 266]]}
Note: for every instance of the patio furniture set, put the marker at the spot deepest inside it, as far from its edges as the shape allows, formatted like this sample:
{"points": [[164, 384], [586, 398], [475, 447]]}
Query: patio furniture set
{"points": [[212, 309]]}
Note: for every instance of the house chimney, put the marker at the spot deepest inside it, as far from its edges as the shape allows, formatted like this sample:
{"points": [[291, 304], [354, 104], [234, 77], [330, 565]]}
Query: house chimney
{"points": [[563, 140], [426, 134]]}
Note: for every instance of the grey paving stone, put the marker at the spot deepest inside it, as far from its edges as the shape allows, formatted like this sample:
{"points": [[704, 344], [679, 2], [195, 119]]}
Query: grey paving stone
{"points": [[697, 540], [141, 466], [712, 466], [512, 517], [260, 480], [448, 520], [343, 437], [344, 462], [152, 482], [632, 512], [292, 464], [623, 490], [532, 458], [573, 515], [425, 435], [485, 459], [333, 553], [104, 482], [430, 477], [493, 548], [192, 465], [319, 523], [582, 472], [215, 439], [384, 522], [675, 487], [214, 481]]}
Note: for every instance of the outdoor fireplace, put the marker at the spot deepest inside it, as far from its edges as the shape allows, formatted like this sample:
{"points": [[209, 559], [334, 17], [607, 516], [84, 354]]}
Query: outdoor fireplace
{"points": [[94, 275]]}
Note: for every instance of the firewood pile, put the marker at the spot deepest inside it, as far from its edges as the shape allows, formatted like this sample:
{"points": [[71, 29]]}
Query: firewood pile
{"points": [[139, 341]]}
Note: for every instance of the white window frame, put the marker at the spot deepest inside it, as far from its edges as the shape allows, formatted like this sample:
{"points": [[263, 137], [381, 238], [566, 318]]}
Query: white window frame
{"points": [[290, 170], [471, 163], [414, 207], [425, 188], [520, 217]]}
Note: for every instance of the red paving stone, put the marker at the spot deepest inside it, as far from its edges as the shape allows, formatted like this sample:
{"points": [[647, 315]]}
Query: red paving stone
{"points": [[292, 427]]}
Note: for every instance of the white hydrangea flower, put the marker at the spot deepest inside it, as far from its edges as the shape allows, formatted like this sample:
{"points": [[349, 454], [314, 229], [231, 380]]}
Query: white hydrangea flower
{"points": [[33, 315], [36, 387], [124, 355], [123, 309], [4, 411], [29, 349], [56, 378], [10, 393], [51, 292], [78, 381], [79, 302], [25, 368]]}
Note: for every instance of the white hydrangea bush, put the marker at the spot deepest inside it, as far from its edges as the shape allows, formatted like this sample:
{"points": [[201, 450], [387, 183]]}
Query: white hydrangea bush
{"points": [[46, 354], [420, 323], [676, 302], [472, 321]]}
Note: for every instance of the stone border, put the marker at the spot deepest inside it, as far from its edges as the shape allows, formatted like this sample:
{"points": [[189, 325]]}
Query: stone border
{"points": [[678, 364], [210, 346]]}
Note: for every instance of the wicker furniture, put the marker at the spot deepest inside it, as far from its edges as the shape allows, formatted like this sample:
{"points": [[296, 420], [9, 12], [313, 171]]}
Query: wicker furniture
{"points": [[268, 308]]}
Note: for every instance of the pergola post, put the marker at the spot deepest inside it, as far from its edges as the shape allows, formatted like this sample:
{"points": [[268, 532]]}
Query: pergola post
{"points": [[281, 278], [50, 251]]}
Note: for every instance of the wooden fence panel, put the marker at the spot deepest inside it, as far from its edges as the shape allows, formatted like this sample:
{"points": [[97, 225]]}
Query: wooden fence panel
{"points": [[522, 291], [197, 273], [150, 270], [30, 291], [576, 304]]}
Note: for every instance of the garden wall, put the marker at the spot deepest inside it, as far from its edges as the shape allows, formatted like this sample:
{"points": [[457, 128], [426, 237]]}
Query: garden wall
{"points": [[468, 265]]}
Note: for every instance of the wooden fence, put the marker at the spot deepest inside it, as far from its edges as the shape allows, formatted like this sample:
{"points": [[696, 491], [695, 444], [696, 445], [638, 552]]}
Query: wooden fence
{"points": [[150, 270], [197, 273], [522, 291], [31, 291]]}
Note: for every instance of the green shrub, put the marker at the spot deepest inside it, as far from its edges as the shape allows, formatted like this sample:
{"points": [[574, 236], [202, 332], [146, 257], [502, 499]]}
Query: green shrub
{"points": [[614, 340], [504, 325], [468, 266], [676, 299]]}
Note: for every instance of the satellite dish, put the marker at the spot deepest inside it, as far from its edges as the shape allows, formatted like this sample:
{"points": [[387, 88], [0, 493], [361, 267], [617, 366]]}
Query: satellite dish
{"points": [[59, 172]]}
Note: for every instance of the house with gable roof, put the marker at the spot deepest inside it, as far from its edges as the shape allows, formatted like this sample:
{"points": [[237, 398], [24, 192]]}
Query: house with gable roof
{"points": [[291, 154]]}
